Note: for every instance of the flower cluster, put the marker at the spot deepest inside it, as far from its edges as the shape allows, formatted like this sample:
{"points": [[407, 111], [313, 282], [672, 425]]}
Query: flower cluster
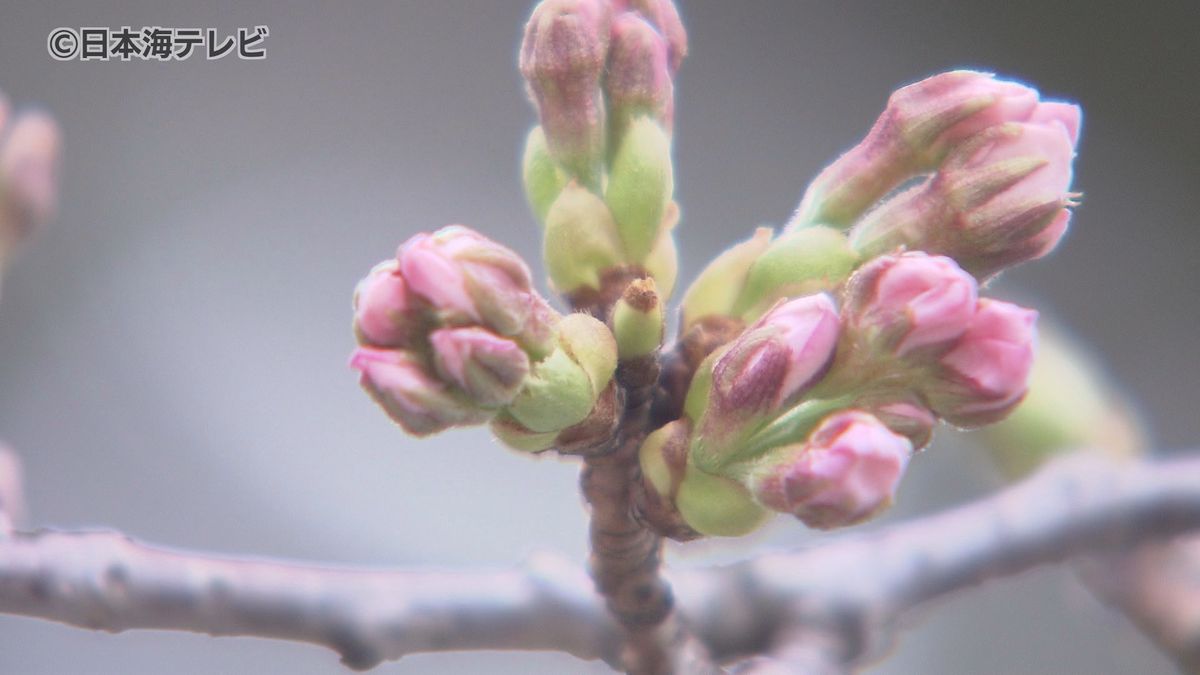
{"points": [[452, 333], [811, 364], [598, 170], [861, 325]]}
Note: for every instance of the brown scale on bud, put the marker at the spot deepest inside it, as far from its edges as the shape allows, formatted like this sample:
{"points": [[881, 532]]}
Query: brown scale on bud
{"points": [[679, 365]]}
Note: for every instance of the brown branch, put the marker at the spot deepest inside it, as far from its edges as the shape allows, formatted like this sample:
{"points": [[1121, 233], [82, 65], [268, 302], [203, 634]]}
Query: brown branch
{"points": [[836, 604]]}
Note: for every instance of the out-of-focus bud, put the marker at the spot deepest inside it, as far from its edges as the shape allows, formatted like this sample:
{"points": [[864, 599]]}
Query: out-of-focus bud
{"points": [[637, 320], [922, 123], [581, 241], [984, 375], [384, 312], [489, 369], [802, 262], [664, 16], [563, 388], [1072, 405], [718, 288], [638, 78], [763, 372], [469, 279], [640, 184], [413, 398], [847, 472], [1000, 199], [717, 506], [898, 304], [542, 177], [562, 57], [29, 152]]}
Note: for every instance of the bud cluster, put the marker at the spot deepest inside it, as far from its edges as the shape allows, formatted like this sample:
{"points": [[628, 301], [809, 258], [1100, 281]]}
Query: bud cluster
{"points": [[815, 408], [452, 333], [598, 170], [999, 161]]}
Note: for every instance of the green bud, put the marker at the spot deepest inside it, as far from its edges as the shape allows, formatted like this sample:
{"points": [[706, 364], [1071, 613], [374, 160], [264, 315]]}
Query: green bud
{"points": [[717, 506], [541, 175], [557, 394], [663, 261], [637, 320], [798, 263], [654, 461], [1071, 405], [580, 240], [516, 436], [719, 286], [697, 394], [590, 344], [640, 184]]}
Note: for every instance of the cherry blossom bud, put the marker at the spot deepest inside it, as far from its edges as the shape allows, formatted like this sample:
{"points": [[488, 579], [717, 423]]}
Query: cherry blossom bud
{"points": [[847, 472], [663, 461], [717, 289], [385, 314], [764, 371], [638, 78], [489, 369], [581, 241], [409, 394], [469, 279], [640, 184], [637, 320], [664, 16], [802, 262], [898, 304], [1000, 199], [543, 179], [562, 58], [922, 123], [717, 506], [907, 417], [29, 153], [563, 388], [984, 375]]}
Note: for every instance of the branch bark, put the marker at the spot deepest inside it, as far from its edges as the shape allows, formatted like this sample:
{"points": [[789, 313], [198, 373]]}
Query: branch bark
{"points": [[836, 604]]}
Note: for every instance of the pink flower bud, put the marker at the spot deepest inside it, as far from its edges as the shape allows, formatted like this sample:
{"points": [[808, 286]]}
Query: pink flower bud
{"points": [[846, 472], [409, 395], [766, 369], [664, 16], [488, 368], [1000, 199], [384, 312], [922, 123], [470, 279], [905, 417], [901, 303], [562, 57], [29, 150], [780, 356], [984, 375], [638, 78]]}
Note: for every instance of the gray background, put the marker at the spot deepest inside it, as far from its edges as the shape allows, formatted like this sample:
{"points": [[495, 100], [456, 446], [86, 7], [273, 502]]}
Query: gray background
{"points": [[173, 349]]}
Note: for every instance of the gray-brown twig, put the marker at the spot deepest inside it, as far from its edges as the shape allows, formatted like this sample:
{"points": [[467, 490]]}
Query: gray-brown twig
{"points": [[839, 600]]}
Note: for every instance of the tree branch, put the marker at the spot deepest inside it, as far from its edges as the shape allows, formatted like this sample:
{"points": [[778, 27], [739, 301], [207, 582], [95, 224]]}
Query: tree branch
{"points": [[836, 604]]}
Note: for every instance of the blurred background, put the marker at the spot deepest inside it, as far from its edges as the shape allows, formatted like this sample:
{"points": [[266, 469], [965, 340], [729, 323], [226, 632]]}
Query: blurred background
{"points": [[173, 348]]}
